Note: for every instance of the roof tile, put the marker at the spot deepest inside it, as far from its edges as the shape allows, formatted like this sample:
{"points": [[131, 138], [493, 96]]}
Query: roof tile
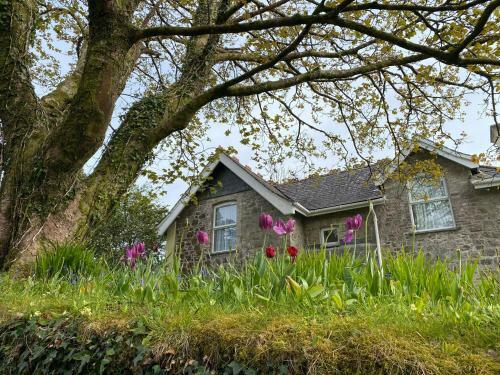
{"points": [[332, 190]]}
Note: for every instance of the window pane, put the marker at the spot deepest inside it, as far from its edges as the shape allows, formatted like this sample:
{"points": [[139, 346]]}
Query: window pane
{"points": [[330, 235], [432, 215], [225, 239], [425, 188], [225, 215]]}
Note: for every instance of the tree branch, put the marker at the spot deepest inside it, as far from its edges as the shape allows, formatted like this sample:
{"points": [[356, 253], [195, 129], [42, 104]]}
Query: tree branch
{"points": [[316, 75]]}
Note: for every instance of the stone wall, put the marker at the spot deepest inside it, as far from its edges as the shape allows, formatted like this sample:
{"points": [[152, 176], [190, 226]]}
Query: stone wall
{"points": [[476, 214], [250, 238], [313, 226]]}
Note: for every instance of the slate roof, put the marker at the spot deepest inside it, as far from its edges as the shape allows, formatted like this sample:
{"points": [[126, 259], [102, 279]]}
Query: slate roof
{"points": [[332, 190], [488, 171]]}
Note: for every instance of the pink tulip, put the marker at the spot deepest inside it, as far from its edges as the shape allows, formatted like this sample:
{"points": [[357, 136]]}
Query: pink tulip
{"points": [[354, 222], [202, 237], [357, 222], [134, 252], [281, 228], [290, 226]]}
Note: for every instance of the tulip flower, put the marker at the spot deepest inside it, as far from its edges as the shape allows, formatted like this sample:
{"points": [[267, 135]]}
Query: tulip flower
{"points": [[265, 221], [140, 249], [202, 237], [349, 236], [281, 228], [354, 222], [290, 226], [292, 251], [270, 252], [134, 252]]}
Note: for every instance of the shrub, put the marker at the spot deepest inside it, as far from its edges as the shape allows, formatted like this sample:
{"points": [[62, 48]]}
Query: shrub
{"points": [[134, 219], [67, 260]]}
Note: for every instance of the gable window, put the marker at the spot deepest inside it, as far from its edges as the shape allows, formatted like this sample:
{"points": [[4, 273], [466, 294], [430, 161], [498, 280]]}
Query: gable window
{"points": [[430, 205], [224, 234], [330, 236]]}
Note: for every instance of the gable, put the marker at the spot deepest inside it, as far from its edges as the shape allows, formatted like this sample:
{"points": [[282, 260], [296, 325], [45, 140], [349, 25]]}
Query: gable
{"points": [[238, 178], [458, 158], [222, 182]]}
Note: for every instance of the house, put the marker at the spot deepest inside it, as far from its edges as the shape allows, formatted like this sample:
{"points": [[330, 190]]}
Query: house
{"points": [[461, 211]]}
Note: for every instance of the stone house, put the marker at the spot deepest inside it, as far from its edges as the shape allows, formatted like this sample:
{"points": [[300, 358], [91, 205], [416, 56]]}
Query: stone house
{"points": [[461, 211]]}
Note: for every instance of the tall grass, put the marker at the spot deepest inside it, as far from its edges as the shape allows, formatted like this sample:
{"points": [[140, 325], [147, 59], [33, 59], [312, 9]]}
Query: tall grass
{"points": [[315, 280], [71, 260]]}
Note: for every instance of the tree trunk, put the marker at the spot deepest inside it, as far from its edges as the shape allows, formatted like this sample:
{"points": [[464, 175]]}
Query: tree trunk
{"points": [[44, 195]]}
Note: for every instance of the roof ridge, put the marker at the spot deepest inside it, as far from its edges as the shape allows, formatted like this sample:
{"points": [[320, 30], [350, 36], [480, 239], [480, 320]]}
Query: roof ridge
{"points": [[330, 173]]}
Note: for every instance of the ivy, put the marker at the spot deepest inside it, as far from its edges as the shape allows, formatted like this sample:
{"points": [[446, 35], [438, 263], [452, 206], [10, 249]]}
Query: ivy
{"points": [[61, 346]]}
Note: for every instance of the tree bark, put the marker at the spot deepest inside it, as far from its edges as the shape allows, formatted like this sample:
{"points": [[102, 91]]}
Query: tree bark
{"points": [[46, 142], [56, 202]]}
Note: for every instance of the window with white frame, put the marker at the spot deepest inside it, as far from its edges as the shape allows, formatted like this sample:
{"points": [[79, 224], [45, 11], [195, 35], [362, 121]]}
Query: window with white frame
{"points": [[430, 204], [224, 233], [330, 236]]}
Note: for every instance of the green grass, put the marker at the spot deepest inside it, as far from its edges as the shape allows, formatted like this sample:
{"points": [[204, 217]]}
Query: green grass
{"points": [[320, 313], [68, 260]]}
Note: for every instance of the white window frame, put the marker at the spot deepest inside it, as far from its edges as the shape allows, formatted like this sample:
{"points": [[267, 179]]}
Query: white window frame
{"points": [[329, 244], [413, 202], [214, 227]]}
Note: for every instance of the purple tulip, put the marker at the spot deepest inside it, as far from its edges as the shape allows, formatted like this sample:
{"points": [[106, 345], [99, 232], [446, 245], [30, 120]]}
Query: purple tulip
{"points": [[290, 226], [357, 222], [265, 221], [281, 228], [134, 252], [348, 237], [140, 249], [354, 222], [349, 223], [202, 237], [131, 256]]}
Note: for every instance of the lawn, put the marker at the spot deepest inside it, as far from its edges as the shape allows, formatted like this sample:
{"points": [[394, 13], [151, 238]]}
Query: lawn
{"points": [[314, 313]]}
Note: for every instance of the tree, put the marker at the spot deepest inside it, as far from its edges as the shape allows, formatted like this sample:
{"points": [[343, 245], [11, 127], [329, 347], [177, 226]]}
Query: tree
{"points": [[134, 219], [380, 68]]}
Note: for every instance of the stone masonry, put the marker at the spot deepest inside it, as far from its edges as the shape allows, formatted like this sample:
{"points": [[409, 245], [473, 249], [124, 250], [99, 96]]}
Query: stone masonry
{"points": [[250, 238], [476, 213]]}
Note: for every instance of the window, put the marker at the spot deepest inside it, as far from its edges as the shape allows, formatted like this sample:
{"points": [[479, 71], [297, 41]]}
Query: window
{"points": [[224, 238], [430, 205], [330, 236]]}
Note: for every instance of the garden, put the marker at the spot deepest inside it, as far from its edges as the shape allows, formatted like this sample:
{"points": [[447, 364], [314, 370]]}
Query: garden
{"points": [[287, 310]]}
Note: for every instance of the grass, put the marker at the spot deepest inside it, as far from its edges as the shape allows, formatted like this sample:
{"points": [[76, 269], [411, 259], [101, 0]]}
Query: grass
{"points": [[321, 314]]}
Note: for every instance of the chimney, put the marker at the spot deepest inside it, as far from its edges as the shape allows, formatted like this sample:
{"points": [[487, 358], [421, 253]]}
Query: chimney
{"points": [[494, 135]]}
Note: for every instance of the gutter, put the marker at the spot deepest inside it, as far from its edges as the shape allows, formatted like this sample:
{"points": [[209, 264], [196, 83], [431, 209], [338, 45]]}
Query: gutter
{"points": [[486, 183], [344, 207]]}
